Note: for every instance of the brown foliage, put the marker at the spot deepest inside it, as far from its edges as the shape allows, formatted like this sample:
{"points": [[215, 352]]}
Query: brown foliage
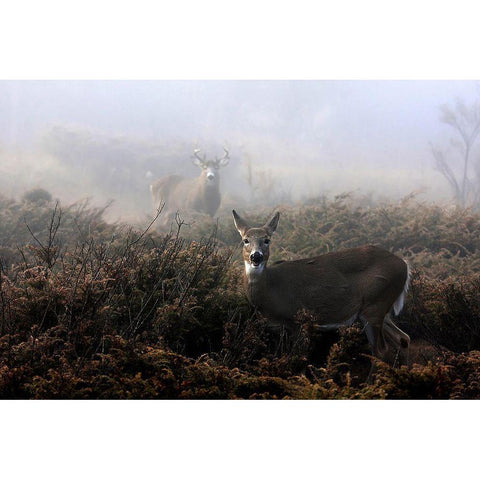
{"points": [[92, 310]]}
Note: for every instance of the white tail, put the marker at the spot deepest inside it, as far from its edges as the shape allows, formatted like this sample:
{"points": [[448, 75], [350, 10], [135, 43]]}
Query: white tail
{"points": [[183, 195], [400, 301], [362, 283]]}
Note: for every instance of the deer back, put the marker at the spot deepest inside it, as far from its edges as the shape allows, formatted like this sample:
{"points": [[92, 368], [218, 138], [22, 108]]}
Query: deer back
{"points": [[335, 286]]}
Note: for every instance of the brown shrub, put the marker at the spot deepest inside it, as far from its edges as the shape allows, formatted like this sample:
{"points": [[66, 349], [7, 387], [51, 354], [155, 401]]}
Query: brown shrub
{"points": [[92, 310]]}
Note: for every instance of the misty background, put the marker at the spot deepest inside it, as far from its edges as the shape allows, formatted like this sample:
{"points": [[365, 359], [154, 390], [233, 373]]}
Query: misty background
{"points": [[288, 140]]}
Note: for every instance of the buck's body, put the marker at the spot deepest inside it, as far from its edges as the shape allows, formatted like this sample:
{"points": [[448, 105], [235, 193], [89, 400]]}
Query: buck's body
{"points": [[362, 283], [183, 195]]}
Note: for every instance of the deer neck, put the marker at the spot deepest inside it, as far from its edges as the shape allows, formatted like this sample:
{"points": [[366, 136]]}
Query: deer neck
{"points": [[209, 194], [255, 281], [210, 189], [209, 186], [255, 274]]}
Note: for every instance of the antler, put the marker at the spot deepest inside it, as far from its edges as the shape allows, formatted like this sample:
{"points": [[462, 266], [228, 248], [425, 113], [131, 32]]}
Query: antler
{"points": [[199, 160], [221, 162]]}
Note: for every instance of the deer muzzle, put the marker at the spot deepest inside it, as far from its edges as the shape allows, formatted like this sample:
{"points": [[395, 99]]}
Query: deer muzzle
{"points": [[256, 258]]}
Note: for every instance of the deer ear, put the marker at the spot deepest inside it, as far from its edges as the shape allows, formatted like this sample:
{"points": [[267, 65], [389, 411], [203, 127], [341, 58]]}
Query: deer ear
{"points": [[240, 223], [271, 226]]}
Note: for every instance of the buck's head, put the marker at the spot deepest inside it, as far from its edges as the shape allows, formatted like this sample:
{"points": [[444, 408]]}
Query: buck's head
{"points": [[256, 242], [210, 168]]}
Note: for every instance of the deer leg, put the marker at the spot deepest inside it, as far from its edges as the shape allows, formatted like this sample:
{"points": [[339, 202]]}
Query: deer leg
{"points": [[373, 324], [369, 331], [374, 330], [398, 339]]}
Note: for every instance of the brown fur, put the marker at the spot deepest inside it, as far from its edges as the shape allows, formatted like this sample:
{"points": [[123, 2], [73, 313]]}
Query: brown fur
{"points": [[186, 195], [338, 287]]}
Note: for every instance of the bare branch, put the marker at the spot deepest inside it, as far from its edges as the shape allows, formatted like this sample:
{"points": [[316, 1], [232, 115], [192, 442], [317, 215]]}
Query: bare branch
{"points": [[465, 121], [442, 166]]}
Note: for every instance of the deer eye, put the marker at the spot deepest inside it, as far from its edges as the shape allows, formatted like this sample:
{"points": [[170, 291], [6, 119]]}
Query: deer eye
{"points": [[246, 241], [266, 241]]}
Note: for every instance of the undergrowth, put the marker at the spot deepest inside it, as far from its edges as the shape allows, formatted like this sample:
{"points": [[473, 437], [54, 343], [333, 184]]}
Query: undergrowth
{"points": [[90, 309]]}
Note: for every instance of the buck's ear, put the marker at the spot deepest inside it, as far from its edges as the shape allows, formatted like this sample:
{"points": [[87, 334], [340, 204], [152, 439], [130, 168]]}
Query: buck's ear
{"points": [[240, 223], [271, 226]]}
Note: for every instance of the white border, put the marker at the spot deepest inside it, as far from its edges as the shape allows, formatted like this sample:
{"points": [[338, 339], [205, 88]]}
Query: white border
{"points": [[222, 40], [217, 39], [238, 439]]}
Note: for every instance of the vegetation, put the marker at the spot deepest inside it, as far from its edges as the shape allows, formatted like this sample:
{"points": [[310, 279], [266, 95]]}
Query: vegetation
{"points": [[90, 309]]}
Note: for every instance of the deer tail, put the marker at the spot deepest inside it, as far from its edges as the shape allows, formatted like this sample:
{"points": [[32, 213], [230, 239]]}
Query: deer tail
{"points": [[400, 301]]}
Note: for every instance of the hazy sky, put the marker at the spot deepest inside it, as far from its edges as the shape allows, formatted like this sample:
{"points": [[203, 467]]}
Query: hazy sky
{"points": [[372, 119], [351, 127]]}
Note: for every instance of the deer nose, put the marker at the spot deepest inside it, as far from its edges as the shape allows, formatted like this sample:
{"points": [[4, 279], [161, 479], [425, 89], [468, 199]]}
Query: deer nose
{"points": [[210, 176], [256, 258]]}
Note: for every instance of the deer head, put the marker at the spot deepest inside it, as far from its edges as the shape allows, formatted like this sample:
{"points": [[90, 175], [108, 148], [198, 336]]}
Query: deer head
{"points": [[256, 242], [210, 168]]}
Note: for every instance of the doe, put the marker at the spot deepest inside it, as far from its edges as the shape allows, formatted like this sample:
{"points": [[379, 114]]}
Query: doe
{"points": [[363, 283]]}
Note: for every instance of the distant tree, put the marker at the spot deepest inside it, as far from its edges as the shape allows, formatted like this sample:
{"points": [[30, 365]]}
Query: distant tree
{"points": [[37, 195], [465, 122]]}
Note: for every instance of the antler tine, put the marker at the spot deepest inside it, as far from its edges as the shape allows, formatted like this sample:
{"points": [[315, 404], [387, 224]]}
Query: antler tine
{"points": [[197, 156], [223, 161]]}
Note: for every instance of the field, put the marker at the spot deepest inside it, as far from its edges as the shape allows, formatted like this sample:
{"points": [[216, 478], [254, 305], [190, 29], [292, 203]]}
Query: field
{"points": [[97, 310]]}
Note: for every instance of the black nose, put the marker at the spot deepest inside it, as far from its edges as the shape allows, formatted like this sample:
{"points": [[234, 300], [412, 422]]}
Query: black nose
{"points": [[210, 176], [256, 257]]}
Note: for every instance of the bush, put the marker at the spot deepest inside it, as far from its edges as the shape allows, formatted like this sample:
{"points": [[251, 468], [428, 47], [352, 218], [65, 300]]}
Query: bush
{"points": [[94, 310], [37, 195]]}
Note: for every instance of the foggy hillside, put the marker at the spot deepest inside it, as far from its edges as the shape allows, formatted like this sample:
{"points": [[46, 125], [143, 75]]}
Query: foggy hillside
{"points": [[288, 140]]}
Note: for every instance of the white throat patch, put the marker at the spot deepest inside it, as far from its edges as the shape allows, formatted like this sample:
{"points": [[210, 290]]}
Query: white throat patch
{"points": [[252, 271]]}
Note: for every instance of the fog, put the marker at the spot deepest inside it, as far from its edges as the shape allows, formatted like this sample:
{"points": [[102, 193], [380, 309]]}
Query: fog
{"points": [[109, 139]]}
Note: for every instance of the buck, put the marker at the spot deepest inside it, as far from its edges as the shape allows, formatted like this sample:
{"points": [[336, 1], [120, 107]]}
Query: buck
{"points": [[180, 194], [362, 283]]}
